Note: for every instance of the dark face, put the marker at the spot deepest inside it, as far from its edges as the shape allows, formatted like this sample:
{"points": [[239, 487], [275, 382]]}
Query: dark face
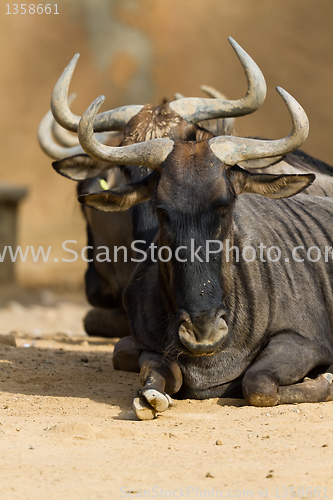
{"points": [[154, 122], [193, 201]]}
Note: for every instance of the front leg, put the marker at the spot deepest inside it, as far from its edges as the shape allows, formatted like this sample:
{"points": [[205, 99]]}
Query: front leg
{"points": [[126, 355], [276, 377], [109, 323], [159, 377]]}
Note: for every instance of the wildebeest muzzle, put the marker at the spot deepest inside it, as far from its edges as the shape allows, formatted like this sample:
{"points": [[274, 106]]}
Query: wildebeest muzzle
{"points": [[203, 333]]}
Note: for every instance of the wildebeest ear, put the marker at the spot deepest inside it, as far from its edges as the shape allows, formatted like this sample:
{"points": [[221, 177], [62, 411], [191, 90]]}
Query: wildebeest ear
{"points": [[269, 185], [80, 167], [121, 198]]}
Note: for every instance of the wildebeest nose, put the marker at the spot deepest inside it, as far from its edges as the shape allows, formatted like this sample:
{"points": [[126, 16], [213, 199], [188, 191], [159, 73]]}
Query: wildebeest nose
{"points": [[203, 334]]}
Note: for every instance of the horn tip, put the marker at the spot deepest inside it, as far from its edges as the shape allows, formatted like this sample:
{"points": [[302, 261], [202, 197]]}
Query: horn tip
{"points": [[74, 59], [283, 93], [281, 90], [98, 101], [101, 99], [232, 41]]}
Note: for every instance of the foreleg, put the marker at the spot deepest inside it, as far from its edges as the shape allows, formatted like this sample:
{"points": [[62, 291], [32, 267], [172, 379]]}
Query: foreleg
{"points": [[275, 377], [110, 323], [160, 377], [126, 355]]}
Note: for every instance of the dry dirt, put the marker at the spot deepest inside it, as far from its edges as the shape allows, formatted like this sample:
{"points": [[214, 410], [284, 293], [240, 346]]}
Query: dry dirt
{"points": [[67, 430]]}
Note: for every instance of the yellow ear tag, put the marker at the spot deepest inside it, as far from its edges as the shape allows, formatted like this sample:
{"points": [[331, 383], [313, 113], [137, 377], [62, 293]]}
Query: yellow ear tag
{"points": [[104, 185]]}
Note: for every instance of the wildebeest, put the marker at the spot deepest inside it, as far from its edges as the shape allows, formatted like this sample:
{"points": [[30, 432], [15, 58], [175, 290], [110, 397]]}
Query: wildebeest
{"points": [[177, 120], [104, 281], [207, 325]]}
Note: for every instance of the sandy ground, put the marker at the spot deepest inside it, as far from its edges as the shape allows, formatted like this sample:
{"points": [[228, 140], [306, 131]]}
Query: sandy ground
{"points": [[67, 430]]}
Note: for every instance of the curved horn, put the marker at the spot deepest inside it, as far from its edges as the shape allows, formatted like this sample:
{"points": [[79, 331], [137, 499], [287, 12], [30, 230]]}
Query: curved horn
{"points": [[149, 153], [110, 120], [48, 144], [218, 126], [198, 109], [212, 92], [178, 95], [232, 150], [67, 144], [224, 126], [62, 135]]}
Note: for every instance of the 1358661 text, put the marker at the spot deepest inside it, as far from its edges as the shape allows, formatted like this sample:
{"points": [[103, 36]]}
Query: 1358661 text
{"points": [[31, 8]]}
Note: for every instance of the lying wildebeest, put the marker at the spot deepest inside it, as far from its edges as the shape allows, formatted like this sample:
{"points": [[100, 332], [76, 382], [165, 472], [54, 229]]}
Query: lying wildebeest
{"points": [[206, 323], [104, 281], [177, 120]]}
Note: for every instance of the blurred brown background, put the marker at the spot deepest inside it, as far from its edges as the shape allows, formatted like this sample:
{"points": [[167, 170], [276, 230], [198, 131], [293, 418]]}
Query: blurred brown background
{"points": [[137, 51]]}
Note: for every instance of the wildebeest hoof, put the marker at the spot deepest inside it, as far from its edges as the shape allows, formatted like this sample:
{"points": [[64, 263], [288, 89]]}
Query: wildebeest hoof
{"points": [[328, 377], [143, 410], [156, 399]]}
